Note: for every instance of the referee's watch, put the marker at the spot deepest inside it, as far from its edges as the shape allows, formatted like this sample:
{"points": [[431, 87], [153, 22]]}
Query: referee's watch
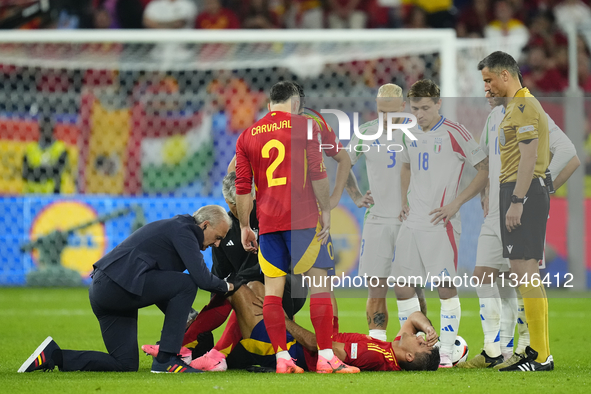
{"points": [[516, 200]]}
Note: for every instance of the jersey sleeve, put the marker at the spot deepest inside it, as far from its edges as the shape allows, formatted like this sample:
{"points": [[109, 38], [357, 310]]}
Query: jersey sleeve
{"points": [[243, 168], [525, 121], [353, 154], [465, 146], [484, 136], [561, 147], [330, 143], [316, 167]]}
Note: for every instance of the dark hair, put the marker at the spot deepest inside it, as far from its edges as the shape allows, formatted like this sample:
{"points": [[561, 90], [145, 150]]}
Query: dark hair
{"points": [[424, 88], [423, 361], [282, 92], [499, 61], [301, 92]]}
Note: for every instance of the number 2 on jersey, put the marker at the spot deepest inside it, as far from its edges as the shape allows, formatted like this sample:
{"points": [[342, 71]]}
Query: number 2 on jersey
{"points": [[280, 157]]}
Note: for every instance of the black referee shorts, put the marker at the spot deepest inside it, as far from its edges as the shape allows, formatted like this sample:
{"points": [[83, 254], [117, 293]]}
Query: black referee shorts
{"points": [[527, 241]]}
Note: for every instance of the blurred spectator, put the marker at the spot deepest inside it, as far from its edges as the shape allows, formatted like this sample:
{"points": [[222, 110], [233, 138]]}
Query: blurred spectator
{"points": [[258, 14], [45, 163], [214, 16], [584, 72], [542, 29], [75, 14], [439, 12], [304, 14], [416, 19], [344, 14], [474, 19], [118, 14], [506, 30], [540, 74], [572, 12], [170, 14]]}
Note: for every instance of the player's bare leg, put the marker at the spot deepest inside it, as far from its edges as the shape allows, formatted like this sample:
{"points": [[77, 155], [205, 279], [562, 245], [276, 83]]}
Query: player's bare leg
{"points": [[377, 310], [321, 314], [450, 321], [422, 300], [490, 318]]}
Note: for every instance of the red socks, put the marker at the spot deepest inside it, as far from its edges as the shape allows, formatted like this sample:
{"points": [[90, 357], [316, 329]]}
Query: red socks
{"points": [[335, 326], [275, 322], [211, 317], [230, 337], [322, 319]]}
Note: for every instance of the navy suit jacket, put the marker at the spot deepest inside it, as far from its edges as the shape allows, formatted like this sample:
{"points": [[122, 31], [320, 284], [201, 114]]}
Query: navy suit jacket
{"points": [[165, 245]]}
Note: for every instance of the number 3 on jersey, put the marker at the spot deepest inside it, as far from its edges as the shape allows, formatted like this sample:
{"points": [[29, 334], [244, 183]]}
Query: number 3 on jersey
{"points": [[424, 160], [280, 157]]}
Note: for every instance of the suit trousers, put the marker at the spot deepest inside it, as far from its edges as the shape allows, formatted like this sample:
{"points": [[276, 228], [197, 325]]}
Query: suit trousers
{"points": [[117, 312]]}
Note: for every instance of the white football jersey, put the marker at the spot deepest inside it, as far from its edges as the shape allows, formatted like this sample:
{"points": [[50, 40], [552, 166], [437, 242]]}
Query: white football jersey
{"points": [[437, 159], [561, 147], [383, 168]]}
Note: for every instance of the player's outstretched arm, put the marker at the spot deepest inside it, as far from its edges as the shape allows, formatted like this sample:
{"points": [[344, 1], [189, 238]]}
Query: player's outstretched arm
{"points": [[343, 169], [306, 338], [484, 200], [404, 184], [322, 192], [244, 207], [362, 201], [566, 172], [478, 183]]}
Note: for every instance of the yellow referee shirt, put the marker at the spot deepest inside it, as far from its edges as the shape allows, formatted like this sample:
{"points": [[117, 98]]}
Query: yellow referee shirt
{"points": [[525, 119]]}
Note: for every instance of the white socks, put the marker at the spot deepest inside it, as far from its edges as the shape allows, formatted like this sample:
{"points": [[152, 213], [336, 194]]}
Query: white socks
{"points": [[450, 324], [378, 334], [326, 353], [283, 354], [508, 319], [490, 317], [406, 308], [523, 340]]}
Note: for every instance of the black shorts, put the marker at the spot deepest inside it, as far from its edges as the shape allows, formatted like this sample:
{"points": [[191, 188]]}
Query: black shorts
{"points": [[527, 241]]}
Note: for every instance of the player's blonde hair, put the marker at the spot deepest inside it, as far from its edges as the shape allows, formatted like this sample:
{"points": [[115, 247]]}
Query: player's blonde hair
{"points": [[390, 90]]}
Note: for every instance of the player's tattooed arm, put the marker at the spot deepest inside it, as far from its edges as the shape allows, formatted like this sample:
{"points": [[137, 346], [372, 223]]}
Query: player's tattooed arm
{"points": [[352, 188], [418, 322], [482, 165], [306, 338]]}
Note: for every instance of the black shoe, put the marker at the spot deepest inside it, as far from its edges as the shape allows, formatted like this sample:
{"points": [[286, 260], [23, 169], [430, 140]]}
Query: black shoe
{"points": [[482, 361], [174, 365], [41, 357], [204, 344], [529, 363]]}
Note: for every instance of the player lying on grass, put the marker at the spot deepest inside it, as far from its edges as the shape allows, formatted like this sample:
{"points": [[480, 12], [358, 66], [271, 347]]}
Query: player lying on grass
{"points": [[407, 352]]}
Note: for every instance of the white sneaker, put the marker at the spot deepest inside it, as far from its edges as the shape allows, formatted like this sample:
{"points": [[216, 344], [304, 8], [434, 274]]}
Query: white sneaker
{"points": [[445, 361]]}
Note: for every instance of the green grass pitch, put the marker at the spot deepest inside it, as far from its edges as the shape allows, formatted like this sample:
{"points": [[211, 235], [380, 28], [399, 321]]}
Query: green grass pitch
{"points": [[27, 316]]}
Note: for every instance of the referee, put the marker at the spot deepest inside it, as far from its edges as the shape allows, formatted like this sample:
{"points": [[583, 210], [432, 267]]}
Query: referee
{"points": [[524, 199]]}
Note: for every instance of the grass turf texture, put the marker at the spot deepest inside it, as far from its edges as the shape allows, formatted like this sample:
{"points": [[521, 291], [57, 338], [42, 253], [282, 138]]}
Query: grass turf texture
{"points": [[27, 316]]}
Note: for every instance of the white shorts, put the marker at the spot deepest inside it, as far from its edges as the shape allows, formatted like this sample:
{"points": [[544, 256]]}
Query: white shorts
{"points": [[426, 253], [377, 246], [489, 252]]}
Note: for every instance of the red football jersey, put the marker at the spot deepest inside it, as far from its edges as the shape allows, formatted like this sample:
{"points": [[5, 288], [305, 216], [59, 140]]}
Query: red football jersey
{"points": [[330, 143], [368, 354], [284, 162]]}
